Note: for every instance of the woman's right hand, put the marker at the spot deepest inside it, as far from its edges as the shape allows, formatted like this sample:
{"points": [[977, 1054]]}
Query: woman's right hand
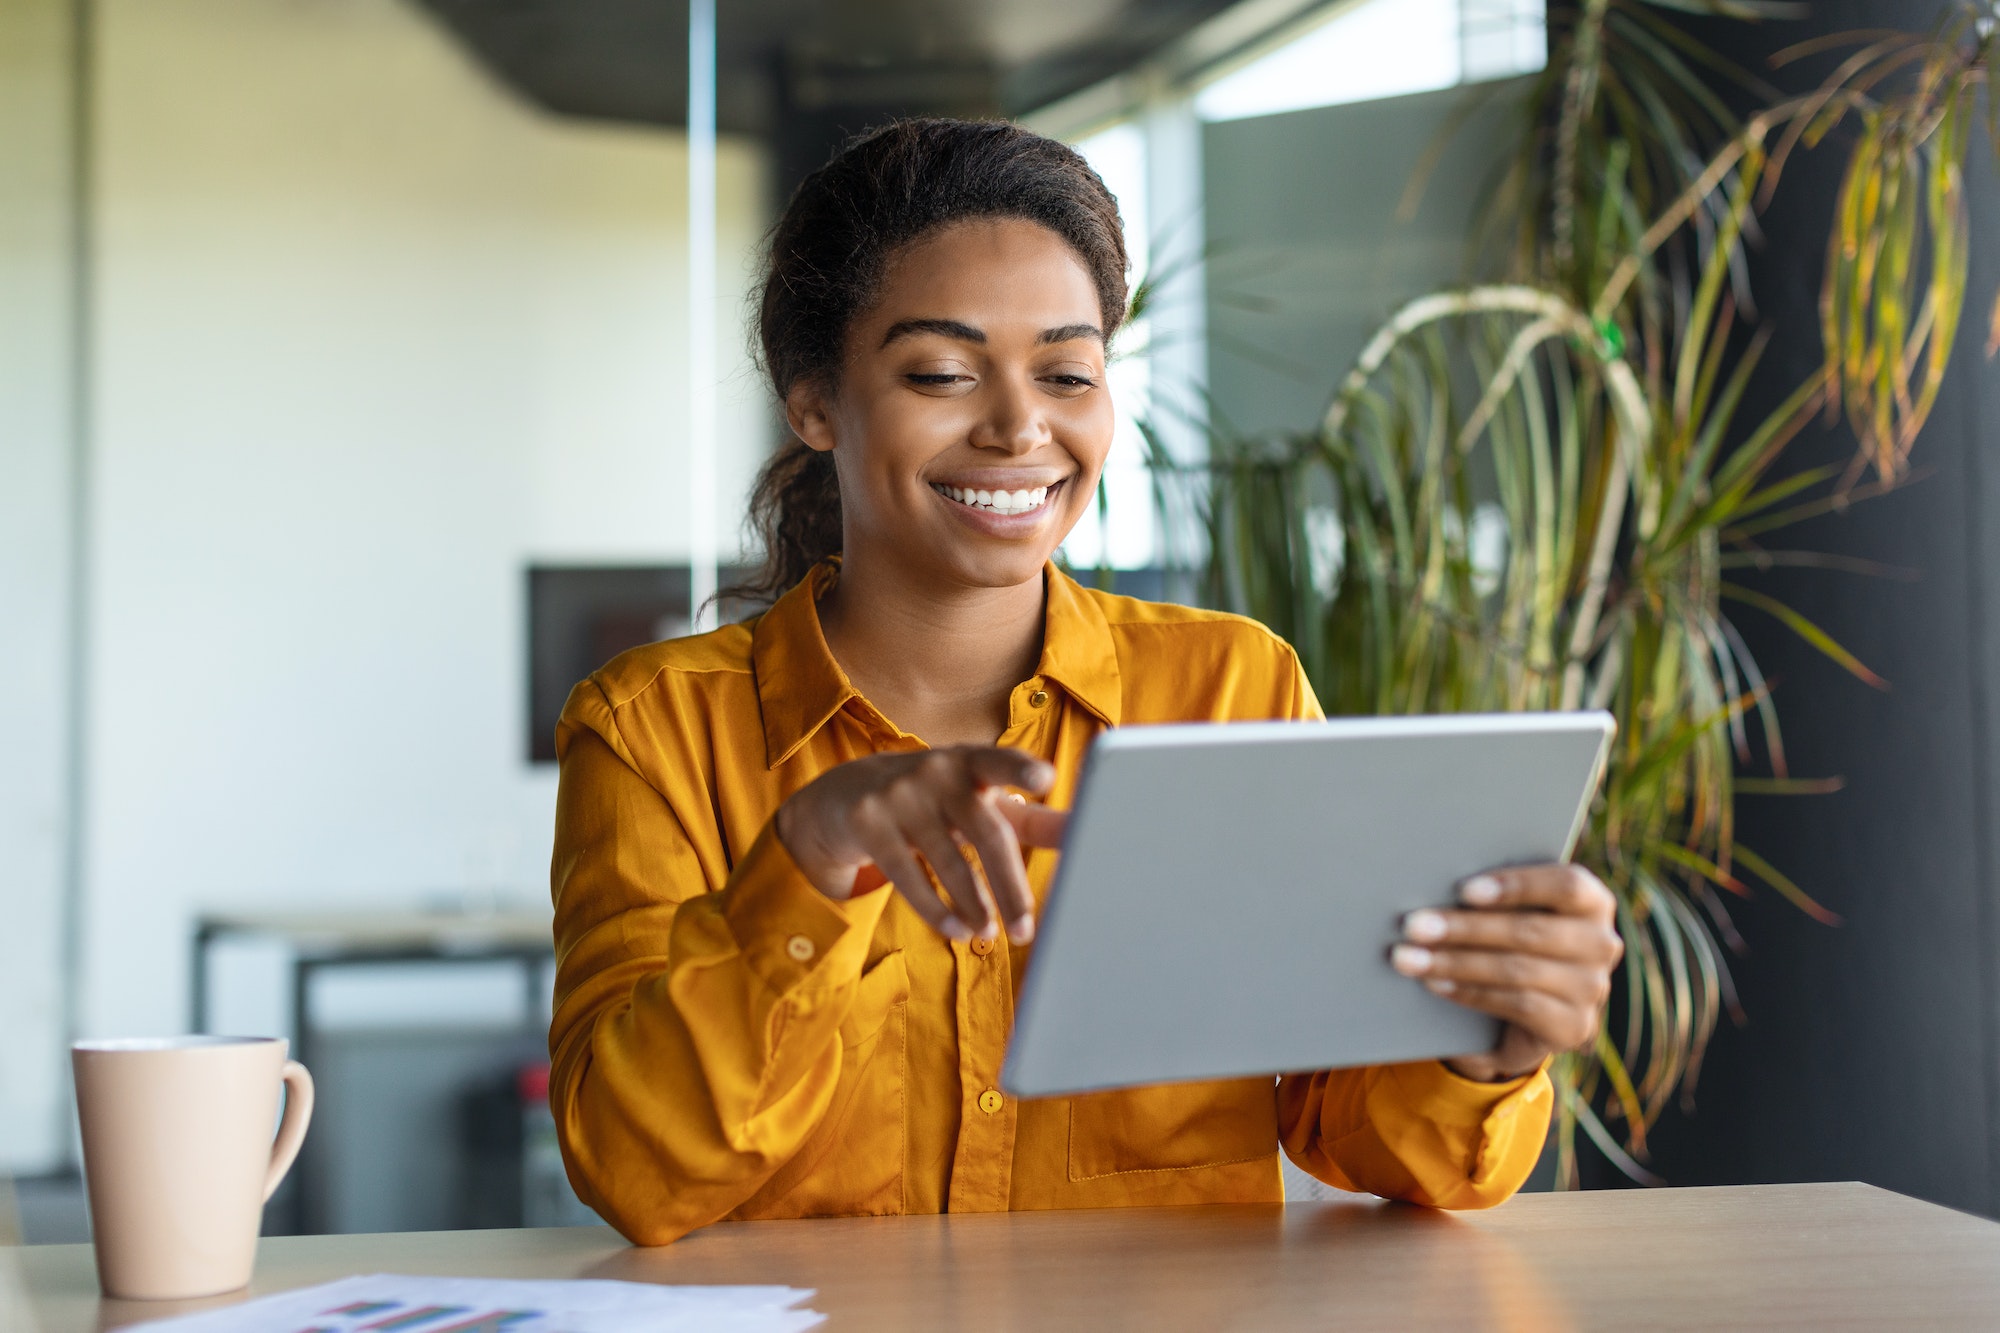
{"points": [[897, 812]]}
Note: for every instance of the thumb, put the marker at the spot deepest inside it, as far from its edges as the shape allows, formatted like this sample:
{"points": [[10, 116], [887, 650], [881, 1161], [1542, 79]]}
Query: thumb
{"points": [[1035, 825]]}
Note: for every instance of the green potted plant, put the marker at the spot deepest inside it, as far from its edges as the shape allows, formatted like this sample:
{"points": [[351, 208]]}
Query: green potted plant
{"points": [[1534, 492]]}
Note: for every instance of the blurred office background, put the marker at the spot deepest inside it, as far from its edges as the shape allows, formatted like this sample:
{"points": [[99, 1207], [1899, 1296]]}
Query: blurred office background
{"points": [[346, 360]]}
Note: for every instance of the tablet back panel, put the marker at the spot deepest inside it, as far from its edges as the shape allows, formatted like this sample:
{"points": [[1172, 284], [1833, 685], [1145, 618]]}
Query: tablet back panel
{"points": [[1227, 893]]}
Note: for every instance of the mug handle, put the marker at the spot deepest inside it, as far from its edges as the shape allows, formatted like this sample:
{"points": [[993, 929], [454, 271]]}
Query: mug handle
{"points": [[292, 1129]]}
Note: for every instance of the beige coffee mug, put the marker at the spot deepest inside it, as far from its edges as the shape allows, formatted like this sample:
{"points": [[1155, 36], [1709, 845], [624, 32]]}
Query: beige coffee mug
{"points": [[178, 1157]]}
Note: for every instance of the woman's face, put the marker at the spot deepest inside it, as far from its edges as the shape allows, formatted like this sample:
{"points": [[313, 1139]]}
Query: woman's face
{"points": [[972, 417]]}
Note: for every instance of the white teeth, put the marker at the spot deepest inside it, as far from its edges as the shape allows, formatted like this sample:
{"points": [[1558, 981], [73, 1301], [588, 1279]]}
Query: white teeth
{"points": [[999, 502]]}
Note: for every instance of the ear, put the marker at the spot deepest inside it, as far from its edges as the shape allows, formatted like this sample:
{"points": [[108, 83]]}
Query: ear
{"points": [[809, 412]]}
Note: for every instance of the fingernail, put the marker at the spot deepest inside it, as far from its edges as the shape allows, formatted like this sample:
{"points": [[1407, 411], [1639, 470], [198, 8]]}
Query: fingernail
{"points": [[956, 929], [1022, 931], [1480, 891], [1410, 960], [1439, 986], [1424, 925], [1043, 774]]}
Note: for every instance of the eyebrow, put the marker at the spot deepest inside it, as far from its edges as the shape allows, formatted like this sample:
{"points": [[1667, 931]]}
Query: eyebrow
{"points": [[1070, 332], [951, 328]]}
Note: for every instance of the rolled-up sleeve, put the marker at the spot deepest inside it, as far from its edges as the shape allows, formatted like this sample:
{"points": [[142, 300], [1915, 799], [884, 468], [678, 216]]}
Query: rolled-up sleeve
{"points": [[1416, 1132]]}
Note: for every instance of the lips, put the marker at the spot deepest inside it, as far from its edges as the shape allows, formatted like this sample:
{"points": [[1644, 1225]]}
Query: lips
{"points": [[1025, 501]]}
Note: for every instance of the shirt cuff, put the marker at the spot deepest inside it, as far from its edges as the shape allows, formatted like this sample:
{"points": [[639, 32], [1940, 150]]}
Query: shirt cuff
{"points": [[1450, 1098], [786, 928], [1488, 1119]]}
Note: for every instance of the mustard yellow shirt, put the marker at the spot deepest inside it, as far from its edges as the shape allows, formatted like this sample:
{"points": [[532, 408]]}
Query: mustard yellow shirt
{"points": [[730, 1043]]}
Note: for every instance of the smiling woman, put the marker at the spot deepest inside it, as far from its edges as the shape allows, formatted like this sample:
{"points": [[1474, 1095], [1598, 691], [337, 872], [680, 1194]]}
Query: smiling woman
{"points": [[797, 866], [1002, 399]]}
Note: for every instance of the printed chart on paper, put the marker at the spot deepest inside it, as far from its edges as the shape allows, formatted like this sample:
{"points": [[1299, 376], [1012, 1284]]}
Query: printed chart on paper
{"points": [[394, 1303]]}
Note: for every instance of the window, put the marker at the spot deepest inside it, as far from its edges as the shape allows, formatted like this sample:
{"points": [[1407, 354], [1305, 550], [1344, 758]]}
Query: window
{"points": [[1122, 531], [1384, 48]]}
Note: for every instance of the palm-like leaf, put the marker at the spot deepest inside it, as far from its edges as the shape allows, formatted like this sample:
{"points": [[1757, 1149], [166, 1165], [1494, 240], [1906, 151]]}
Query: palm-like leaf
{"points": [[1527, 494]]}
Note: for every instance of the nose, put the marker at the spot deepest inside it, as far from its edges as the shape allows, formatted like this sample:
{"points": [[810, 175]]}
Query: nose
{"points": [[1013, 422]]}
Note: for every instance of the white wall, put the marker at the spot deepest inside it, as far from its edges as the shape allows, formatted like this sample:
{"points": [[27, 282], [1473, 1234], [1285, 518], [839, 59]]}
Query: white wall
{"points": [[371, 335], [35, 438]]}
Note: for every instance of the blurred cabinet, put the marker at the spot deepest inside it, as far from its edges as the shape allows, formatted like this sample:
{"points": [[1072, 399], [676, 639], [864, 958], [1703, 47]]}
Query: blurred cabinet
{"points": [[423, 1031]]}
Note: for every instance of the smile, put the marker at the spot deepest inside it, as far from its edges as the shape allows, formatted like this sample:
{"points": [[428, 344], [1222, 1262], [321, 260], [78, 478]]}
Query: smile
{"points": [[997, 502]]}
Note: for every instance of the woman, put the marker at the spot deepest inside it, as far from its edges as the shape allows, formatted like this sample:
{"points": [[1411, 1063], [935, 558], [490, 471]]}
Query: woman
{"points": [[765, 1006]]}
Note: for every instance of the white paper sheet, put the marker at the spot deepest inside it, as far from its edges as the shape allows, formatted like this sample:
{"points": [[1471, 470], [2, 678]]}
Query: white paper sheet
{"points": [[394, 1303]]}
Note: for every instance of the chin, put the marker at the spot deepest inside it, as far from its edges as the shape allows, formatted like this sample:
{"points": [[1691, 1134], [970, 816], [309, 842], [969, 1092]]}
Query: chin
{"points": [[995, 569]]}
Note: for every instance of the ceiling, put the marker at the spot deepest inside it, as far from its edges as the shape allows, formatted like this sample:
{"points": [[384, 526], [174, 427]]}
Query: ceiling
{"points": [[805, 73]]}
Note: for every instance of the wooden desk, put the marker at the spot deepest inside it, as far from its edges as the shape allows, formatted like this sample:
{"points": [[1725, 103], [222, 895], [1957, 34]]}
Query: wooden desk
{"points": [[1781, 1255]]}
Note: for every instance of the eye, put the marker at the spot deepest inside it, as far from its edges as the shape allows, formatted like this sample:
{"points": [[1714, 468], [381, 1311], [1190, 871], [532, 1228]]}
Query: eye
{"points": [[935, 379], [1071, 382]]}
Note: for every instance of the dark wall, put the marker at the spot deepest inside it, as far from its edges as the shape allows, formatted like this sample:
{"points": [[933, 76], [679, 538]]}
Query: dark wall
{"points": [[1870, 1052]]}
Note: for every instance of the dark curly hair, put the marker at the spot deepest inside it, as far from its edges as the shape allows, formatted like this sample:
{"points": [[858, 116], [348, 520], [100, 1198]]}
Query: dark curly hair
{"points": [[825, 258]]}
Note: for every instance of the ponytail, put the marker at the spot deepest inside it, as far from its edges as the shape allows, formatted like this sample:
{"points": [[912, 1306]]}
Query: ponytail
{"points": [[795, 512]]}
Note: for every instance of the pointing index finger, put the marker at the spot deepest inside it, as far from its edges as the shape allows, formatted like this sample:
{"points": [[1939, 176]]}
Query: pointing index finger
{"points": [[1035, 825], [1002, 766]]}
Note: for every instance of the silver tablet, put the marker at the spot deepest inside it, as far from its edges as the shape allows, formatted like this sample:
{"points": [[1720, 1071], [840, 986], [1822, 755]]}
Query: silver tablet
{"points": [[1228, 892]]}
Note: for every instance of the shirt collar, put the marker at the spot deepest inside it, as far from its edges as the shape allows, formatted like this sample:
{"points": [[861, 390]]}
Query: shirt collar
{"points": [[1077, 649], [800, 686]]}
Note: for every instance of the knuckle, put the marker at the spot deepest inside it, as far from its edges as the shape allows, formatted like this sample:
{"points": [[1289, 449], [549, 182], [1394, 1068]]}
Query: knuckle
{"points": [[906, 789]]}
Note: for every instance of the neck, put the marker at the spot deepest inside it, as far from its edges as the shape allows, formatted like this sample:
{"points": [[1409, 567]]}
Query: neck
{"points": [[938, 661]]}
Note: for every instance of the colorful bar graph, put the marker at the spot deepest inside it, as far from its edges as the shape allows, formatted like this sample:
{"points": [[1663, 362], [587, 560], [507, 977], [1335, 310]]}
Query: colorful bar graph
{"points": [[497, 1322], [417, 1318]]}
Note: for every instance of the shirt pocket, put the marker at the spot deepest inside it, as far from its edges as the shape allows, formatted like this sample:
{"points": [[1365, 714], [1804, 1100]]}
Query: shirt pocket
{"points": [[851, 1163], [1180, 1127]]}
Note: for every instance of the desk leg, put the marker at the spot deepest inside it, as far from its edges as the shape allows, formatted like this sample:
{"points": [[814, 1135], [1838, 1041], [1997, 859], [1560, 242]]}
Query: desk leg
{"points": [[531, 985], [204, 935]]}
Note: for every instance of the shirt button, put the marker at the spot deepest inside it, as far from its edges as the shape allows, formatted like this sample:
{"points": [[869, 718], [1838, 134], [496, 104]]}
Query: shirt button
{"points": [[991, 1101], [1039, 699], [981, 945], [801, 948]]}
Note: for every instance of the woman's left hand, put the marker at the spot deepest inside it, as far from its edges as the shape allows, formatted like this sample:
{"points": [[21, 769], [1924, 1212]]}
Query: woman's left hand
{"points": [[1533, 946]]}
